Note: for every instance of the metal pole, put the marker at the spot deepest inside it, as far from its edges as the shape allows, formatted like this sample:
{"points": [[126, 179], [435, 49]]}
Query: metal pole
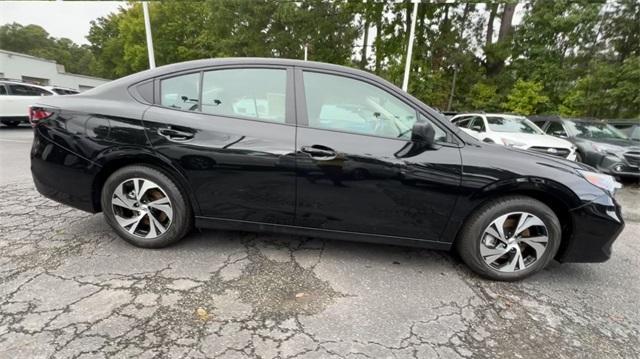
{"points": [[305, 51], [147, 30], [407, 65]]}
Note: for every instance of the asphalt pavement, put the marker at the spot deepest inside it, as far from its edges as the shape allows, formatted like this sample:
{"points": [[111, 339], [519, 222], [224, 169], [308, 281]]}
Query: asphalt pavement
{"points": [[70, 288]]}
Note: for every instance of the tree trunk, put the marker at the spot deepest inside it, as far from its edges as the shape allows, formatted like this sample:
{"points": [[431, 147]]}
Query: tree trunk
{"points": [[378, 41], [463, 23], [492, 16], [420, 40], [365, 45], [505, 22]]}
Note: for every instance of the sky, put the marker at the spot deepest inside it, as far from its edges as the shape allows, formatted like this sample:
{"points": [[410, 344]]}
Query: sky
{"points": [[70, 19]]}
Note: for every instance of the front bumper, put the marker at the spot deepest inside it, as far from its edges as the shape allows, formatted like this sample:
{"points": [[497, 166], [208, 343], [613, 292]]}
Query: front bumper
{"points": [[596, 225], [617, 166]]}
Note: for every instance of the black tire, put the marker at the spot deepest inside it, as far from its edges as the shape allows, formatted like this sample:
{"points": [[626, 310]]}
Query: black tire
{"points": [[579, 157], [468, 241], [182, 218]]}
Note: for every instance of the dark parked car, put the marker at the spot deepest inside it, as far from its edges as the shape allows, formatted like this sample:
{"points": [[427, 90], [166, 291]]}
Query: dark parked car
{"points": [[599, 144], [315, 149]]}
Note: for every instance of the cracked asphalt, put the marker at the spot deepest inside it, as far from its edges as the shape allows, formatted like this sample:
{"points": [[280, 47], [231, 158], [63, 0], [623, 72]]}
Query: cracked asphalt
{"points": [[69, 288]]}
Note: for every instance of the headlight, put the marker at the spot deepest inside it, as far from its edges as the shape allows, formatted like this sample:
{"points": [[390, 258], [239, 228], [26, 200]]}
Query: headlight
{"points": [[605, 149], [512, 143], [606, 182]]}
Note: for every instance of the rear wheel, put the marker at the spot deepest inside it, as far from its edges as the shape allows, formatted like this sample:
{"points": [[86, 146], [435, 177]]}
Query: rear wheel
{"points": [[145, 207], [510, 238]]}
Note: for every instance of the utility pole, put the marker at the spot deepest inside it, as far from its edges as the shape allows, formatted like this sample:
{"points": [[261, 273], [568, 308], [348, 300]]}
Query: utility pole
{"points": [[147, 30], [412, 34]]}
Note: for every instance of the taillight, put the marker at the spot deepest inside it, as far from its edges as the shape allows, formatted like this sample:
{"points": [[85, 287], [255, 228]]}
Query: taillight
{"points": [[36, 114]]}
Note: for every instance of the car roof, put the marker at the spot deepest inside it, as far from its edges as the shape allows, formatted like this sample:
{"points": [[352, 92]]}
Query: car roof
{"points": [[204, 63]]}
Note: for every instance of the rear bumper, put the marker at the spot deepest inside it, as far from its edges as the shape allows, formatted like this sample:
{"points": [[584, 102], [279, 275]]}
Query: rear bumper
{"points": [[61, 175], [596, 225]]}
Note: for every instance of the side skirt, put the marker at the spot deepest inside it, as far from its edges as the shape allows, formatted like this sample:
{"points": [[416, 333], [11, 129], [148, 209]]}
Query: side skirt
{"points": [[249, 226]]}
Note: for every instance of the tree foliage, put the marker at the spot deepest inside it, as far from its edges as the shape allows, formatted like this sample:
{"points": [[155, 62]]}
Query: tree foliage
{"points": [[578, 58]]}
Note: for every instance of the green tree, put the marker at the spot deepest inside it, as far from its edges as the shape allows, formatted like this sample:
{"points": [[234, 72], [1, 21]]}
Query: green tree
{"points": [[187, 30], [526, 98], [484, 97]]}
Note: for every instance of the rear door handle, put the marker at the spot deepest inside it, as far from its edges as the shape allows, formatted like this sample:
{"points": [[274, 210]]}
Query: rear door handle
{"points": [[319, 152], [175, 135]]}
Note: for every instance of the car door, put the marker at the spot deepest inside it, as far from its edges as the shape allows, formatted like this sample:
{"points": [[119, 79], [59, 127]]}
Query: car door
{"points": [[353, 174], [231, 132]]}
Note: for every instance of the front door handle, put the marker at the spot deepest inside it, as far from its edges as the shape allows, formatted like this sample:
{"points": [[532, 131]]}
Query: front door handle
{"points": [[319, 152], [175, 135]]}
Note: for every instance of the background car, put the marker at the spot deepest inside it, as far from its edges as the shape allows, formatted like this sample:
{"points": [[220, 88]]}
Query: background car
{"points": [[513, 131], [15, 99], [598, 143], [17, 96]]}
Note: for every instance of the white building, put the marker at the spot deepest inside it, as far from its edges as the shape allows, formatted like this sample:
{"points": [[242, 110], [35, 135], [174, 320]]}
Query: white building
{"points": [[43, 72]]}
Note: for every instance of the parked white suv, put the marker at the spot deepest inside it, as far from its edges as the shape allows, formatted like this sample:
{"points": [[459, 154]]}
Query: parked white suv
{"points": [[513, 131], [15, 99]]}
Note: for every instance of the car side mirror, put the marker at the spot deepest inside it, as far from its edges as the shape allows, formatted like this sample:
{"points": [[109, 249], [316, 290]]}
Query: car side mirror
{"points": [[422, 138], [423, 134]]}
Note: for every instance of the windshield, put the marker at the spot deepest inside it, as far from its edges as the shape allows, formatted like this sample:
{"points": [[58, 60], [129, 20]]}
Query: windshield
{"points": [[512, 124], [595, 130]]}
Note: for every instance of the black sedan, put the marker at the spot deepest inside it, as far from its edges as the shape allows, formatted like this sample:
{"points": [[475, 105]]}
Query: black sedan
{"points": [[599, 144], [316, 149]]}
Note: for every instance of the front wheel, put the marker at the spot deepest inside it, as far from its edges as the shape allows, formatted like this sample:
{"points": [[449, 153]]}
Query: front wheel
{"points": [[510, 238], [145, 207]]}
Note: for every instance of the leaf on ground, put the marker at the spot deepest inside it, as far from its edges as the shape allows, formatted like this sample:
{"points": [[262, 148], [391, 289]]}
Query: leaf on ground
{"points": [[202, 314]]}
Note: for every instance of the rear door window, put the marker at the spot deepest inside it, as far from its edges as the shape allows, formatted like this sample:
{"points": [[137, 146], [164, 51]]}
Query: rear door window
{"points": [[181, 92], [253, 93]]}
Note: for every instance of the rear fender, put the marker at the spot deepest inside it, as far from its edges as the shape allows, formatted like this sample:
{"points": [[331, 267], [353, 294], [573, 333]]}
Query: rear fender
{"points": [[114, 158]]}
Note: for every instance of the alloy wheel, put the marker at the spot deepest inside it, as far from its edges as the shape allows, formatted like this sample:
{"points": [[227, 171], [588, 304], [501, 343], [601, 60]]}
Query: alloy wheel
{"points": [[514, 242], [142, 208]]}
